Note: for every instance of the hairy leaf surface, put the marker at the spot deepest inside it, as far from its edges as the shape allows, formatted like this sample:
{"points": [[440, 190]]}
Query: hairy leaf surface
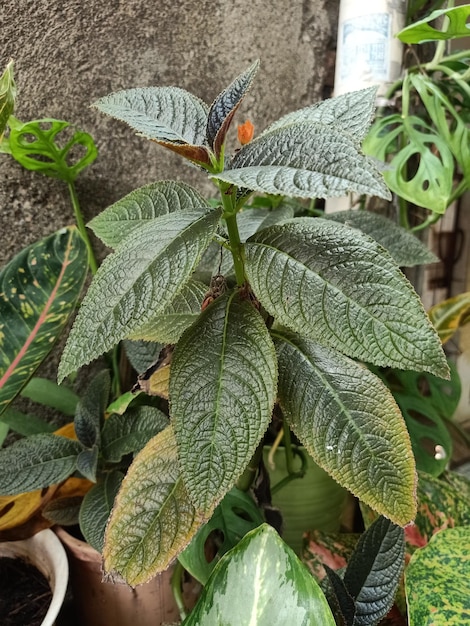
{"points": [[137, 282], [141, 206], [261, 581], [39, 289], [96, 508], [337, 285], [222, 392], [305, 160], [154, 503], [349, 423], [89, 414]]}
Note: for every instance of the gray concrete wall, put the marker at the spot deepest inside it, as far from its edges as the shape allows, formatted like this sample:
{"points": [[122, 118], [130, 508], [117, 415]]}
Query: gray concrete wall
{"points": [[68, 53]]}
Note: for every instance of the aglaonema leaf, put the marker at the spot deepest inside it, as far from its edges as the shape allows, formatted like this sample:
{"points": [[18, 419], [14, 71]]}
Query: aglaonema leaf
{"points": [[142, 205], [39, 289], [437, 582], [336, 285], [137, 282], [170, 116], [421, 31], [450, 315], [96, 508], [225, 106], [305, 160], [154, 503], [406, 249], [222, 392], [7, 97], [349, 423], [36, 462], [261, 581]]}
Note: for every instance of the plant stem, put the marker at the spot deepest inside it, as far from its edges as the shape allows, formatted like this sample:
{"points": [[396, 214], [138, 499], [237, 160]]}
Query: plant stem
{"points": [[81, 227], [228, 194], [288, 448], [246, 479], [176, 587]]}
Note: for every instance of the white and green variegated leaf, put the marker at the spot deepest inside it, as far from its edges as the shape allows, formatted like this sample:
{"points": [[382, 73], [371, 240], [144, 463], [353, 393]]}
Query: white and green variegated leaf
{"points": [[167, 326], [130, 432], [352, 112], [37, 462], [167, 114], [154, 503], [350, 424], [96, 508], [137, 282], [307, 161], [261, 582], [406, 249], [336, 285], [141, 206], [225, 106], [222, 391]]}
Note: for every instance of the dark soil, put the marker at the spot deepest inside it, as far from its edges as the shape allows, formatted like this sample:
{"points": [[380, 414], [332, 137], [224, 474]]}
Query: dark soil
{"points": [[25, 594]]}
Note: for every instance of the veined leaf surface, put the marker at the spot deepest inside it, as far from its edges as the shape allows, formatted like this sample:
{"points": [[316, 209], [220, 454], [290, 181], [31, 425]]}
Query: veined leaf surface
{"points": [[305, 160], [96, 507], [39, 290], [154, 503], [222, 391], [336, 285], [137, 282], [141, 206], [349, 423], [261, 582]]}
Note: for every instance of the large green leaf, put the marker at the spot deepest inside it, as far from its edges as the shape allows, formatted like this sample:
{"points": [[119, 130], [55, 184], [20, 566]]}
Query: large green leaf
{"points": [[137, 282], [263, 583], [170, 116], [225, 106], [421, 31], [337, 285], [153, 502], [36, 462], [305, 160], [222, 391], [406, 249], [130, 432], [7, 96], [352, 112], [141, 206], [437, 581], [39, 289], [49, 393], [350, 424], [430, 183]]}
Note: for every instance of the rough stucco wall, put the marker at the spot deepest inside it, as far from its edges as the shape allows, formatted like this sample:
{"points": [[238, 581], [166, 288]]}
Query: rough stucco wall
{"points": [[69, 53]]}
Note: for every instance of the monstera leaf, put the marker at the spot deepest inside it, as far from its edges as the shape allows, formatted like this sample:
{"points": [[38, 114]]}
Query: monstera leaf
{"points": [[423, 31]]}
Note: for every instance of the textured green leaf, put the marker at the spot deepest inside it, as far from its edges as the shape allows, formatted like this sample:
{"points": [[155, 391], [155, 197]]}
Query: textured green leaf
{"points": [[232, 519], [339, 598], [123, 434], [222, 392], [350, 424], [49, 393], [39, 289], [87, 463], [137, 282], [154, 503], [225, 106], [421, 31], [337, 285], [96, 508], [168, 326], [142, 206], [142, 354], [37, 145], [169, 115], [262, 582], [305, 160], [374, 571], [7, 96], [251, 220], [352, 112], [89, 415], [406, 249], [36, 462], [430, 186], [437, 581]]}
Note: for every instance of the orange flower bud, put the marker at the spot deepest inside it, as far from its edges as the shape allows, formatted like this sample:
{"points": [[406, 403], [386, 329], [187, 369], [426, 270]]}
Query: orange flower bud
{"points": [[245, 132]]}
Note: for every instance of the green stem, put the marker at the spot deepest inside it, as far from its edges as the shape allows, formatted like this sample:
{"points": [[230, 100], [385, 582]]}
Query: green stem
{"points": [[81, 227], [288, 448], [287, 479], [435, 217], [177, 588], [246, 479], [229, 194]]}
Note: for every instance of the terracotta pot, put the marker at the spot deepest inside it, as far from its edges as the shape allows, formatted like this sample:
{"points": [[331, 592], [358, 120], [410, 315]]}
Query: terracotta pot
{"points": [[100, 603], [47, 554]]}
